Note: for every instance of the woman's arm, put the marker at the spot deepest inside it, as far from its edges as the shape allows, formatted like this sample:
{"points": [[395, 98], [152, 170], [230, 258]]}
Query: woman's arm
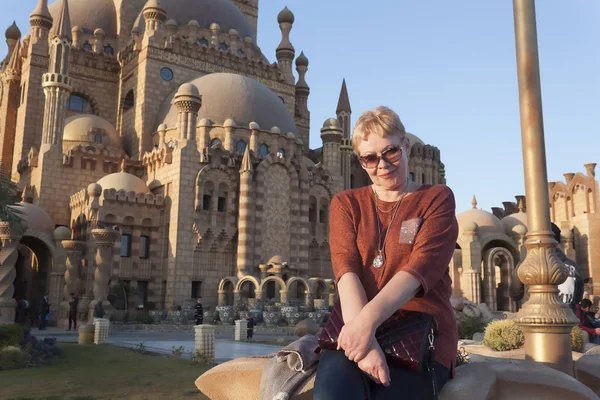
{"points": [[352, 296]]}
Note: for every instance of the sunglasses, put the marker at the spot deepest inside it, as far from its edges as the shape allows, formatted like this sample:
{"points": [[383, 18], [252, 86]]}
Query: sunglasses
{"points": [[390, 156]]}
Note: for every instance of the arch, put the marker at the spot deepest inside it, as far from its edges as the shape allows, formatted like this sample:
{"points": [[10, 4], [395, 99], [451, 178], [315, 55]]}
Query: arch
{"points": [[263, 150], [231, 279], [297, 279], [216, 142], [273, 278], [129, 100], [240, 146], [247, 278], [497, 294]]}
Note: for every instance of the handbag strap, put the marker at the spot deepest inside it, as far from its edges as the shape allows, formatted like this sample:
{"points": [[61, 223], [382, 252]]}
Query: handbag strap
{"points": [[430, 363]]}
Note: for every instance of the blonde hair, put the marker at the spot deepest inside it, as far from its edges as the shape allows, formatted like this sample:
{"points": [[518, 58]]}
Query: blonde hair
{"points": [[381, 121]]}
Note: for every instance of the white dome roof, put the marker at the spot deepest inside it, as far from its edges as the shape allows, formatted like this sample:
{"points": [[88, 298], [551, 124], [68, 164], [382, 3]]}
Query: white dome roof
{"points": [[90, 15], [81, 129], [512, 220], [36, 218], [486, 222], [123, 181], [231, 96]]}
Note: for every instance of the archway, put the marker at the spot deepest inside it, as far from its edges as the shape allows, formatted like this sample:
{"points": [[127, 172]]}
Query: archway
{"points": [[297, 289], [33, 268], [269, 287], [497, 276]]}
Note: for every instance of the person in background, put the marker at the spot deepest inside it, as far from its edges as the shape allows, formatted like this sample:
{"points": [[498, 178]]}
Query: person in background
{"points": [[250, 328], [44, 311], [99, 309], [586, 322], [73, 303], [199, 312]]}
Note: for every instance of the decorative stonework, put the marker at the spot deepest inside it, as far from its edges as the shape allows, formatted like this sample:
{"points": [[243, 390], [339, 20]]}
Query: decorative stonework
{"points": [[105, 240], [75, 251], [277, 205], [8, 273]]}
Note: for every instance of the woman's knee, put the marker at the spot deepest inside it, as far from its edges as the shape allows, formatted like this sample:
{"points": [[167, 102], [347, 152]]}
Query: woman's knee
{"points": [[338, 378]]}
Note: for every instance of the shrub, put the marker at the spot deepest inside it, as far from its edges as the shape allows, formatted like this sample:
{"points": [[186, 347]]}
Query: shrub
{"points": [[12, 357], [503, 335], [469, 326], [11, 335], [577, 339]]}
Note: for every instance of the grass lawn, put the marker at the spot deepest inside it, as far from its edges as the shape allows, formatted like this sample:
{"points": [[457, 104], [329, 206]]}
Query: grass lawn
{"points": [[94, 372]]}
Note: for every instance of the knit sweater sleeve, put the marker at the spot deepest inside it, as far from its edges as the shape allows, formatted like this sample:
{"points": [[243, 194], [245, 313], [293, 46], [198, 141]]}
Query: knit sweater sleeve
{"points": [[345, 256], [435, 242]]}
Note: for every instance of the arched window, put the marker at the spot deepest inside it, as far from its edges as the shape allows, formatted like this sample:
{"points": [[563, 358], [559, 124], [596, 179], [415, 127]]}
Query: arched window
{"points": [[240, 146], [215, 142], [281, 153], [263, 150], [223, 46], [412, 176], [129, 101], [98, 138], [87, 46], [108, 50], [204, 42], [79, 103]]}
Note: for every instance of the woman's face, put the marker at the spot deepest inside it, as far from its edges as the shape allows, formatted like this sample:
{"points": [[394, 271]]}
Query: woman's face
{"points": [[385, 160]]}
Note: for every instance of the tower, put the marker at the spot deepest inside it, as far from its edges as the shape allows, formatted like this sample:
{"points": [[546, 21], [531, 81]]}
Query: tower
{"points": [[285, 51], [344, 113], [245, 250], [9, 106], [331, 134], [56, 82], [302, 92]]}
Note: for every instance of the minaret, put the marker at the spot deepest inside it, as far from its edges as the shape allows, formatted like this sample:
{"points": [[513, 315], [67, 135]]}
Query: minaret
{"points": [[344, 113], [245, 250], [332, 136], [57, 83], [154, 16], [285, 51], [302, 92], [40, 22], [11, 91], [188, 102]]}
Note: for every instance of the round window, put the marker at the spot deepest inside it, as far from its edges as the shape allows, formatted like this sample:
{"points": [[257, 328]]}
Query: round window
{"points": [[166, 74]]}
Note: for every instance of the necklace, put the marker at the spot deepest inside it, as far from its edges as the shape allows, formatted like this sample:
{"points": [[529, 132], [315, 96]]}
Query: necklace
{"points": [[379, 260]]}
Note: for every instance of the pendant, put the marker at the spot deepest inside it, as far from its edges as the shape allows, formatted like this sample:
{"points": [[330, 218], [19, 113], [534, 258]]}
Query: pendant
{"points": [[378, 261]]}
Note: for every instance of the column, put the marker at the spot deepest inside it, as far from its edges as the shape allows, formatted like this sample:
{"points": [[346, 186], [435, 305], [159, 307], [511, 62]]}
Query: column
{"points": [[8, 273], [105, 241], [205, 342], [241, 330]]}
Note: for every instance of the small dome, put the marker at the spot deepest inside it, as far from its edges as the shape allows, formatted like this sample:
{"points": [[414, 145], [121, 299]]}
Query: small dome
{"points": [[567, 234], [302, 61], [171, 23], [193, 23], [13, 32], [276, 130], [215, 27], [229, 123], [162, 127], [94, 189], [202, 122], [36, 218], [90, 15], [520, 230], [486, 222], [124, 181], [414, 139], [233, 32], [254, 126], [331, 123], [285, 15], [99, 32], [187, 89], [512, 220], [152, 4], [62, 233], [232, 96], [82, 129], [469, 226], [277, 259], [290, 135]]}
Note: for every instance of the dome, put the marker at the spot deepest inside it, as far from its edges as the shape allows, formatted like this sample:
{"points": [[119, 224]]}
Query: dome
{"points": [[123, 181], [276, 259], [486, 222], [13, 32], [90, 15], [512, 220], [414, 139], [285, 16], [231, 96], [62, 233], [81, 129], [302, 61], [36, 218], [205, 12]]}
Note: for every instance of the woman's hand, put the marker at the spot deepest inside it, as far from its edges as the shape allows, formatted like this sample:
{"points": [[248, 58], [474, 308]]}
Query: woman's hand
{"points": [[356, 338], [375, 366]]}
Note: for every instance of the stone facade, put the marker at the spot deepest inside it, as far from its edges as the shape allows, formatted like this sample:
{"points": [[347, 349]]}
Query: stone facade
{"points": [[167, 124]]}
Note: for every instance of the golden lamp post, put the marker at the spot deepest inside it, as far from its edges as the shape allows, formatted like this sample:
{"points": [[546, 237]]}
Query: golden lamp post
{"points": [[545, 320]]}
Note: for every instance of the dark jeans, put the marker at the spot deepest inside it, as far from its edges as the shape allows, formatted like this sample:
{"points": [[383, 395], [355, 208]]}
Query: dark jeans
{"points": [[73, 319], [42, 321], [249, 333], [199, 321], [340, 378]]}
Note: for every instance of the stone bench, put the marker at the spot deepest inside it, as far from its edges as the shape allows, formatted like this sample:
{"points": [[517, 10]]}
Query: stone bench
{"points": [[511, 380]]}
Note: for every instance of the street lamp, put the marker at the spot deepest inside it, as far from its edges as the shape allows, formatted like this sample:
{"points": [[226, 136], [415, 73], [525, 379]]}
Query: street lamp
{"points": [[545, 320]]}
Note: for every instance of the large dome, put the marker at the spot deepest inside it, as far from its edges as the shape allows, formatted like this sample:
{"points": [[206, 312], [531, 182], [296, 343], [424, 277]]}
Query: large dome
{"points": [[81, 129], [231, 96], [486, 222], [414, 139], [205, 12], [90, 15], [123, 181], [36, 218]]}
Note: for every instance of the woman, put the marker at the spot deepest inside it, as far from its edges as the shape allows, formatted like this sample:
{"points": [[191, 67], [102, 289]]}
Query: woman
{"points": [[391, 244]]}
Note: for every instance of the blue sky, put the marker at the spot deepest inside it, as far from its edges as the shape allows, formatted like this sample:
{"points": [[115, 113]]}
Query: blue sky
{"points": [[448, 68]]}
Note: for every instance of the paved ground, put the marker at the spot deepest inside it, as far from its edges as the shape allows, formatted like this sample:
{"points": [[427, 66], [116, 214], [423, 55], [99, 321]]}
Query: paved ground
{"points": [[163, 342]]}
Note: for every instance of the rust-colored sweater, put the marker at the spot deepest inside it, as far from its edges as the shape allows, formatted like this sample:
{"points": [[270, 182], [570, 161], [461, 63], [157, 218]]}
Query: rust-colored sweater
{"points": [[421, 242]]}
